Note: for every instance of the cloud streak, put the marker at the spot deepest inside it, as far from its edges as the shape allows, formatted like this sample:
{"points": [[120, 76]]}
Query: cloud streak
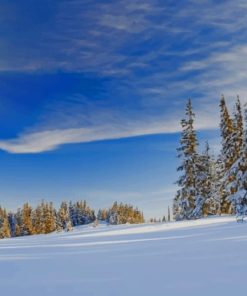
{"points": [[48, 140]]}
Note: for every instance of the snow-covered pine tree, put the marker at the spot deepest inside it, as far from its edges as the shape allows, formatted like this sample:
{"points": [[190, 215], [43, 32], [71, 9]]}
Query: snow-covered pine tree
{"points": [[184, 202], [227, 152], [102, 215], [4, 224], [99, 215], [26, 226], [168, 214], [227, 131], [112, 217], [216, 171], [18, 218], [37, 220], [238, 130], [49, 215], [237, 139], [63, 218], [237, 175], [230, 179], [5, 230], [176, 208], [72, 214], [203, 183], [243, 166], [12, 224]]}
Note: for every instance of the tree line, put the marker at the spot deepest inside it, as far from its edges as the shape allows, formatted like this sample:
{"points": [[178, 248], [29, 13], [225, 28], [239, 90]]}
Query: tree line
{"points": [[45, 218], [121, 213], [212, 185]]}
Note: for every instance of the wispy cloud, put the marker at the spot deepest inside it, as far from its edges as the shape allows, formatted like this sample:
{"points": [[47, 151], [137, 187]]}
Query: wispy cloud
{"points": [[49, 140], [37, 142]]}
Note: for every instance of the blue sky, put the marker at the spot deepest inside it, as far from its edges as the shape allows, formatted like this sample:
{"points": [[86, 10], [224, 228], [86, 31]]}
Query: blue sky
{"points": [[92, 93]]}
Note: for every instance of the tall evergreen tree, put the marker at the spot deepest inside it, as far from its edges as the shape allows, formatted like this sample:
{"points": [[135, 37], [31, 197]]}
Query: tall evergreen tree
{"points": [[238, 130], [64, 218], [50, 221], [216, 173], [5, 230], [26, 221], [203, 183], [12, 224], [168, 214], [184, 202], [4, 224], [232, 181], [227, 152], [227, 130], [237, 177], [38, 220]]}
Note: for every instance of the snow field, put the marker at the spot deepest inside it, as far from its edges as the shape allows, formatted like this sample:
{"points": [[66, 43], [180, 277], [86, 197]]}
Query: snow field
{"points": [[201, 257]]}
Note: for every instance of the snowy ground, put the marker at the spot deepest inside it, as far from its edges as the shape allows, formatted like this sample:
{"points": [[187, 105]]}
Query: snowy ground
{"points": [[203, 257]]}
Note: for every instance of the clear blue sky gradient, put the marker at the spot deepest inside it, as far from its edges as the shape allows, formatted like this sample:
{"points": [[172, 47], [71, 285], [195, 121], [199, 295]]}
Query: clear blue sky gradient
{"points": [[92, 92]]}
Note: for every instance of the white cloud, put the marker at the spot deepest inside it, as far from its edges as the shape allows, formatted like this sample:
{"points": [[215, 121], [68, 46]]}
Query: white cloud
{"points": [[51, 139], [47, 140]]}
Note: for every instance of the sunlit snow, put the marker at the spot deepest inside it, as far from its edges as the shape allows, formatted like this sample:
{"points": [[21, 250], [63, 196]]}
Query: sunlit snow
{"points": [[202, 257]]}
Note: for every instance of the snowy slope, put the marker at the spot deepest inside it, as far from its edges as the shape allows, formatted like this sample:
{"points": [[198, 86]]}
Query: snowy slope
{"points": [[203, 257]]}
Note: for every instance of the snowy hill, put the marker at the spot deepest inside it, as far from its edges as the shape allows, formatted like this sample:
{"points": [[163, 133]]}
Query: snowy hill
{"points": [[202, 257]]}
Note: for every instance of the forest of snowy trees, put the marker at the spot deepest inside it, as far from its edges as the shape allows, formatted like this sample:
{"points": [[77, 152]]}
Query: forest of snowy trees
{"points": [[212, 185], [45, 218]]}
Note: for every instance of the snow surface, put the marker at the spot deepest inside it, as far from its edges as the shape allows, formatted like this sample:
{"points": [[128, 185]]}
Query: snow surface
{"points": [[202, 257]]}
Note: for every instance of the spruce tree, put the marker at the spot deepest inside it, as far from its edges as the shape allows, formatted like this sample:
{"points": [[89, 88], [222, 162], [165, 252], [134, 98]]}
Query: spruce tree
{"points": [[184, 202], [50, 221], [26, 225], [5, 230], [64, 218], [227, 130], [216, 173], [227, 152], [237, 177], [38, 219], [12, 224], [168, 214], [233, 188], [4, 224], [203, 183], [238, 130]]}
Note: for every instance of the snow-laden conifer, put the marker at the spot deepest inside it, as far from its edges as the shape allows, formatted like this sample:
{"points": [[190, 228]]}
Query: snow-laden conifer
{"points": [[236, 177], [184, 202], [227, 152], [202, 183]]}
